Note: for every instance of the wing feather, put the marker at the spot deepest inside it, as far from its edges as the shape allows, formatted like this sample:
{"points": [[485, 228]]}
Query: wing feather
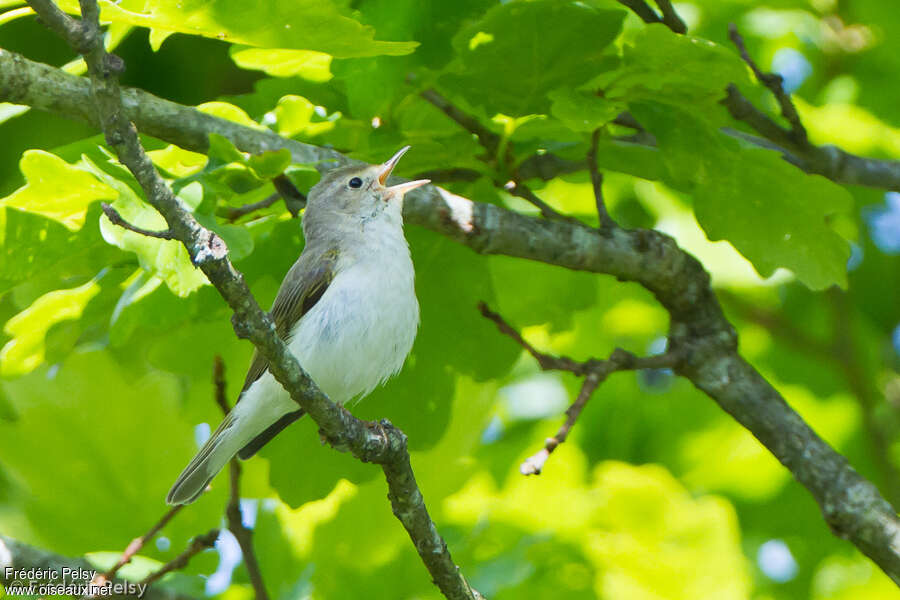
{"points": [[302, 287]]}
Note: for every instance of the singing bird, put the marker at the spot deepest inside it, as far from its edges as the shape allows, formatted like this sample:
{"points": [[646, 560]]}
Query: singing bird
{"points": [[347, 310]]}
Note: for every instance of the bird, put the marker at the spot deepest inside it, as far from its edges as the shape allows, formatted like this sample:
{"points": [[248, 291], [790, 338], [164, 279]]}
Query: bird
{"points": [[347, 310]]}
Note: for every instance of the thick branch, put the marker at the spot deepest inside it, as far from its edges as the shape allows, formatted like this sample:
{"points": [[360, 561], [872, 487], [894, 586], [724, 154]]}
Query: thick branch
{"points": [[851, 504], [828, 161], [383, 444]]}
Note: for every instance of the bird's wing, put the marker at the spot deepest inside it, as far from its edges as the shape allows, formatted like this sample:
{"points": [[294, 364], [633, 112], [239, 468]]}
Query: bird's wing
{"points": [[301, 289]]}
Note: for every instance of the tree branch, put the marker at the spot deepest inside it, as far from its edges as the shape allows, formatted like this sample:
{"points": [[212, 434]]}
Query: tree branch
{"points": [[383, 443], [841, 351], [850, 504], [794, 144]]}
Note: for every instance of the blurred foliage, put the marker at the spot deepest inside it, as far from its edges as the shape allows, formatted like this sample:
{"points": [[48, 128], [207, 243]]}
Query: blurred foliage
{"points": [[109, 336]]}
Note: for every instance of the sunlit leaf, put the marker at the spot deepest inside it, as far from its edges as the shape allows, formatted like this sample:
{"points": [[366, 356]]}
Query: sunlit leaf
{"points": [[313, 66], [56, 190], [25, 351], [270, 24]]}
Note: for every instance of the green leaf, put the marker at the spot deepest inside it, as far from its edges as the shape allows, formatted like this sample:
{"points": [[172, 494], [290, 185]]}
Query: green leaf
{"points": [[56, 189], [268, 165], [25, 351], [230, 112], [307, 64], [582, 111], [118, 477], [29, 244], [320, 25], [177, 161], [667, 67], [519, 51], [770, 211], [294, 115], [639, 160]]}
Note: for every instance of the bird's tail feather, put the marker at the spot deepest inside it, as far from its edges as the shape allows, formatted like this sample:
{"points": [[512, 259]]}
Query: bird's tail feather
{"points": [[232, 435]]}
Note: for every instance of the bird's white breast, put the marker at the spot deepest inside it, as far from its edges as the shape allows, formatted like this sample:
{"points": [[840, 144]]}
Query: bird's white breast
{"points": [[362, 328]]}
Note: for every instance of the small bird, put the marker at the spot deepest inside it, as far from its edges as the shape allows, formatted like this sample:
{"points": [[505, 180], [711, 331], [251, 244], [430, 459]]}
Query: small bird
{"points": [[347, 310]]}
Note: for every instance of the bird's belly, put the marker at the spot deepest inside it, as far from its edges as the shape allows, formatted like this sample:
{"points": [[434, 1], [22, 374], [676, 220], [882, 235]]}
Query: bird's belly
{"points": [[359, 332]]}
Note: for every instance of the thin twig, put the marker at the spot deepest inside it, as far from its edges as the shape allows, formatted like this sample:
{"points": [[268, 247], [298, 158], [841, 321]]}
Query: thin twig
{"points": [[235, 213], [197, 545], [670, 16], [606, 221], [643, 10], [486, 137], [547, 362], [242, 534], [137, 543], [534, 464], [520, 190], [775, 83], [117, 219], [294, 201]]}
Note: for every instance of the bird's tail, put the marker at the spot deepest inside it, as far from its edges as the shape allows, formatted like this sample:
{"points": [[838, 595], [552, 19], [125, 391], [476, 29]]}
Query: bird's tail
{"points": [[221, 446], [241, 426]]}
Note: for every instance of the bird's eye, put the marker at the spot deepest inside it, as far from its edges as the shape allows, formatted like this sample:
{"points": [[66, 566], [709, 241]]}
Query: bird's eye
{"points": [[356, 182]]}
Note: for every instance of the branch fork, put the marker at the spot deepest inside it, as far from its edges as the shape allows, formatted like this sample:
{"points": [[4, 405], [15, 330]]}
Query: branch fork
{"points": [[594, 371]]}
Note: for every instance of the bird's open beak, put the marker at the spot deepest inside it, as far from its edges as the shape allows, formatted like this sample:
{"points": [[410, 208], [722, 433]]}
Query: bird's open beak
{"points": [[397, 191]]}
